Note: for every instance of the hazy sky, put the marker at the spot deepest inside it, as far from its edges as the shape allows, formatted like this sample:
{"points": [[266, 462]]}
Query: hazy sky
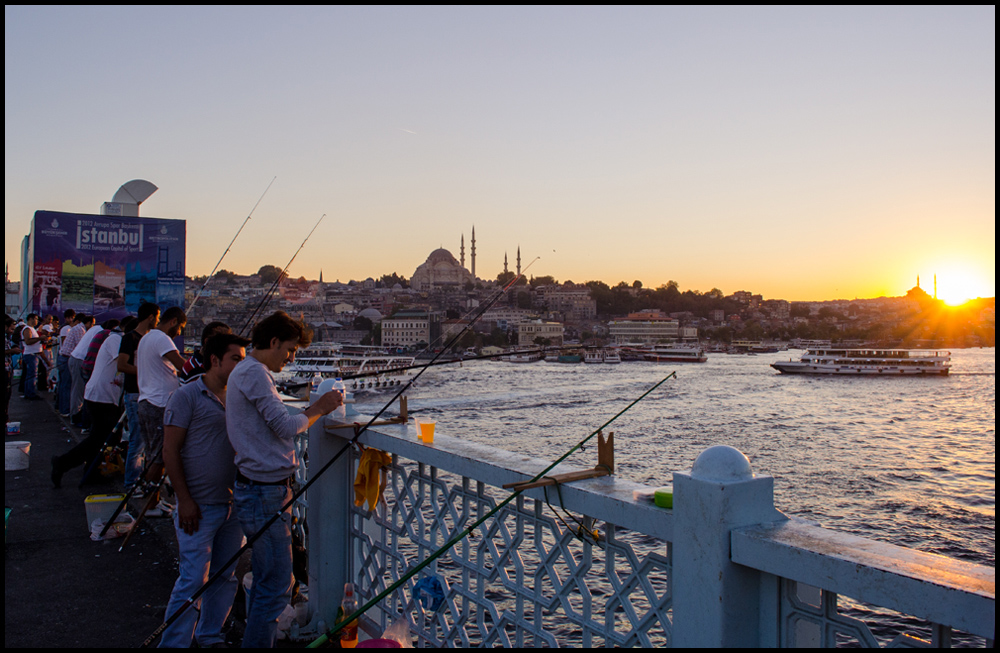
{"points": [[810, 153]]}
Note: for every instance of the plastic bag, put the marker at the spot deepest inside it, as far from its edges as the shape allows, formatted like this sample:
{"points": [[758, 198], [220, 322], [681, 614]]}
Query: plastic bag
{"points": [[121, 527], [399, 632]]}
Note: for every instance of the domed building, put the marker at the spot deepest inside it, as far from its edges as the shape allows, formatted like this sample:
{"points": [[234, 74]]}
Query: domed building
{"points": [[440, 271]]}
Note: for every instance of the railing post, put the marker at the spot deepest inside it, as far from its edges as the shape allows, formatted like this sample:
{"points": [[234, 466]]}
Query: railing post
{"points": [[330, 500], [716, 602]]}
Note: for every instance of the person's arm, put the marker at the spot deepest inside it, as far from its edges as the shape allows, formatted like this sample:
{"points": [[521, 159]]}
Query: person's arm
{"points": [[188, 512], [125, 367], [29, 340], [261, 392], [175, 359]]}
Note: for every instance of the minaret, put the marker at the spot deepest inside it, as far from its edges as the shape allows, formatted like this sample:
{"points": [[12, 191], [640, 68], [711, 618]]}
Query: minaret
{"points": [[518, 260], [461, 255], [473, 252], [505, 262]]}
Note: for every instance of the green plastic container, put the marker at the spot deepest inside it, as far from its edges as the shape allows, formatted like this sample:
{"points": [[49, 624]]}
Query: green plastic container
{"points": [[664, 497]]}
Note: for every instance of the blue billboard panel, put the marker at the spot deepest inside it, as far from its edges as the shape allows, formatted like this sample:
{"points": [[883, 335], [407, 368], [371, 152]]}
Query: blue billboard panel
{"points": [[104, 265]]}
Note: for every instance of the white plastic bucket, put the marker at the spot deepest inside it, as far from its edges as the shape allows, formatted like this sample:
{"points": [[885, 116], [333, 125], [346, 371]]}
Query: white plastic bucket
{"points": [[16, 456]]}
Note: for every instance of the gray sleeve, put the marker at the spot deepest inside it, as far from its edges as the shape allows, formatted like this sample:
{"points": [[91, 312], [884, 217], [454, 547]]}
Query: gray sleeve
{"points": [[262, 394]]}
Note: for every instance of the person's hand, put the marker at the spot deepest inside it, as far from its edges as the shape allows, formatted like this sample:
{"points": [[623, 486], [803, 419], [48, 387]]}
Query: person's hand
{"points": [[188, 515], [329, 402]]}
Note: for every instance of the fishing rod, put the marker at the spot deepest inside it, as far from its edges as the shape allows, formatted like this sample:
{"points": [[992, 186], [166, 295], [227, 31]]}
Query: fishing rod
{"points": [[216, 268], [267, 297], [359, 431], [323, 639]]}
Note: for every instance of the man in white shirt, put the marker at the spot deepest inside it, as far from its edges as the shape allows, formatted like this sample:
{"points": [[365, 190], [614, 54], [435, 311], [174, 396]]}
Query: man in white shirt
{"points": [[158, 362], [103, 396], [31, 349], [62, 362], [76, 355]]}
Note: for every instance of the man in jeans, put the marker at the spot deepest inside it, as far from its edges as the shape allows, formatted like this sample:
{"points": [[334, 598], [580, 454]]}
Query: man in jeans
{"points": [[199, 461], [263, 433], [62, 360], [158, 362], [31, 348], [148, 318]]}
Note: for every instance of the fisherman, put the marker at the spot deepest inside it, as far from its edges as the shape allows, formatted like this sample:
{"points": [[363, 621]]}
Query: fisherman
{"points": [[80, 346], [9, 351], [148, 318], [158, 362], [102, 395], [31, 348], [70, 320], [263, 433], [199, 461], [195, 366]]}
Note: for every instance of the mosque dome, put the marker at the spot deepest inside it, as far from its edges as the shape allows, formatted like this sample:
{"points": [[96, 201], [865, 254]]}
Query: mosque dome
{"points": [[441, 270]]}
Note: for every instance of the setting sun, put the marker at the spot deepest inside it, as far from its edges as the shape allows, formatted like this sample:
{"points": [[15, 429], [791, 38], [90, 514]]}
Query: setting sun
{"points": [[957, 285]]}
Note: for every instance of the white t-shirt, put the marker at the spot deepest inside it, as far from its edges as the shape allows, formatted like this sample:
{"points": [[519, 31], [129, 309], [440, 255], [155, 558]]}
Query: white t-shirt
{"points": [[157, 375], [81, 349], [105, 384], [63, 332], [28, 332]]}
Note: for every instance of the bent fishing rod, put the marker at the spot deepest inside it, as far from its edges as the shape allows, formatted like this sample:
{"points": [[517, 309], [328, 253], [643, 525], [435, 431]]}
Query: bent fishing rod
{"points": [[359, 431], [216, 268], [274, 286], [330, 634]]}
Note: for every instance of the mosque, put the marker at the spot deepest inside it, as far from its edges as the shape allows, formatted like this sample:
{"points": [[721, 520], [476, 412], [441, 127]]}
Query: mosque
{"points": [[441, 270]]}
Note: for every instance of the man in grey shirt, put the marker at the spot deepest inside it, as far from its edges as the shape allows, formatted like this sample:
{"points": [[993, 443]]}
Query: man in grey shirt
{"points": [[263, 434], [199, 461]]}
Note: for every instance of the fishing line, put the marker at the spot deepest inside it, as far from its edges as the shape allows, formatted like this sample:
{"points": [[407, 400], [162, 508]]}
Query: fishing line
{"points": [[216, 268], [267, 297], [295, 496], [468, 530]]}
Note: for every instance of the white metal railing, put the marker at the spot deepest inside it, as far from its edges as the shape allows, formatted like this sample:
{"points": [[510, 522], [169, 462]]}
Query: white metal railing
{"points": [[723, 568]]}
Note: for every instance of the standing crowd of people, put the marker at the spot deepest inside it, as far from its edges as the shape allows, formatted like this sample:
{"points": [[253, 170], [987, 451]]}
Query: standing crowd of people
{"points": [[214, 422]]}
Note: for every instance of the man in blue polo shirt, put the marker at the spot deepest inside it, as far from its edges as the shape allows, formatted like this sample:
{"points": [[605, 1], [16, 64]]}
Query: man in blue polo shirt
{"points": [[200, 462]]}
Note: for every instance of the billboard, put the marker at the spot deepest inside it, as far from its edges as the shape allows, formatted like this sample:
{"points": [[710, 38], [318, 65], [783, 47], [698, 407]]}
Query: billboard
{"points": [[103, 265]]}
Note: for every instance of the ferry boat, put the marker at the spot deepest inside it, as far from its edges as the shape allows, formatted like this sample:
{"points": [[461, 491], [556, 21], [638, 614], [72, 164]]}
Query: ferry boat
{"points": [[332, 360], [612, 357], [877, 362], [522, 356], [669, 354]]}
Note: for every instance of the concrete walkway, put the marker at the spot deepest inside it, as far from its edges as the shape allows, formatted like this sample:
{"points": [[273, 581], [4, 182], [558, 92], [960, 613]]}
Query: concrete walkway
{"points": [[62, 589]]}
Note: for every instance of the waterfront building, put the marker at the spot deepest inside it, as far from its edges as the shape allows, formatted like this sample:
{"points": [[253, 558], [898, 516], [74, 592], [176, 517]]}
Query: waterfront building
{"points": [[527, 332], [409, 328], [649, 326]]}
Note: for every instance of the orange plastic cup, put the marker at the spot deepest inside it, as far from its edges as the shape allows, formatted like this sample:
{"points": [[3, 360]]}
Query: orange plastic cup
{"points": [[427, 432]]}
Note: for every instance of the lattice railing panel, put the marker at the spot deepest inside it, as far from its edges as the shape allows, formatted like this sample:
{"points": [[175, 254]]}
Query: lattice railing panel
{"points": [[522, 579], [811, 617]]}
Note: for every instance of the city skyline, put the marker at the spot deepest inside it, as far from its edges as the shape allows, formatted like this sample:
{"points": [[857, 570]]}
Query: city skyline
{"points": [[804, 154]]}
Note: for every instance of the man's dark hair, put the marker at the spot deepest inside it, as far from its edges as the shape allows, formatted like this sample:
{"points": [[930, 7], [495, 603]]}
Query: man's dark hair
{"points": [[110, 324], [31, 315], [213, 328], [129, 323], [69, 314], [280, 326], [85, 319], [147, 309], [174, 313], [218, 345]]}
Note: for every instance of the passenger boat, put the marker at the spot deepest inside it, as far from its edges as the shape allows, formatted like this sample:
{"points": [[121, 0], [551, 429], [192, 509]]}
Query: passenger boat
{"points": [[612, 357], [332, 360], [522, 357], [592, 356], [872, 362], [669, 354]]}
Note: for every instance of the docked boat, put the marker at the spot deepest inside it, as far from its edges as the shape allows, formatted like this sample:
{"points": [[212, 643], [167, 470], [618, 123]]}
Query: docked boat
{"points": [[668, 354], [592, 356], [522, 357], [872, 362], [333, 360], [612, 357]]}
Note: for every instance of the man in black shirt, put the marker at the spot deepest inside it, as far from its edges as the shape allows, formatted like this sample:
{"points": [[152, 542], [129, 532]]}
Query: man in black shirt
{"points": [[149, 317]]}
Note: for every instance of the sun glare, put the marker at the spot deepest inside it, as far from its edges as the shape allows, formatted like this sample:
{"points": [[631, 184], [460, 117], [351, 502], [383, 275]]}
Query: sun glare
{"points": [[955, 287]]}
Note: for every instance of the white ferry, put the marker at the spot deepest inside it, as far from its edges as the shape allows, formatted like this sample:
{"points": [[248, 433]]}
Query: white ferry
{"points": [[884, 362], [668, 354], [332, 360]]}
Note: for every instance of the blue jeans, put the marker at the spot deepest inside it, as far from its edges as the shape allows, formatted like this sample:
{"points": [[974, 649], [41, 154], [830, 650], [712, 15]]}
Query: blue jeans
{"points": [[136, 445], [202, 554], [272, 559], [30, 376], [65, 383]]}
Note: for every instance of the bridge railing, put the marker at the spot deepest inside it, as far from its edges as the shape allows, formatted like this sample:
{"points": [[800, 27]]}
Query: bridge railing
{"points": [[585, 564]]}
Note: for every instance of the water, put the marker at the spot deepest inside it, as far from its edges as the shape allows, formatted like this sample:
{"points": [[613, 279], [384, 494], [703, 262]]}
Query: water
{"points": [[910, 461]]}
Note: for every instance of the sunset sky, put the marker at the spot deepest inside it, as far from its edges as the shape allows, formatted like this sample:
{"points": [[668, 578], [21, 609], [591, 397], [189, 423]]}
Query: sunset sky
{"points": [[801, 153]]}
